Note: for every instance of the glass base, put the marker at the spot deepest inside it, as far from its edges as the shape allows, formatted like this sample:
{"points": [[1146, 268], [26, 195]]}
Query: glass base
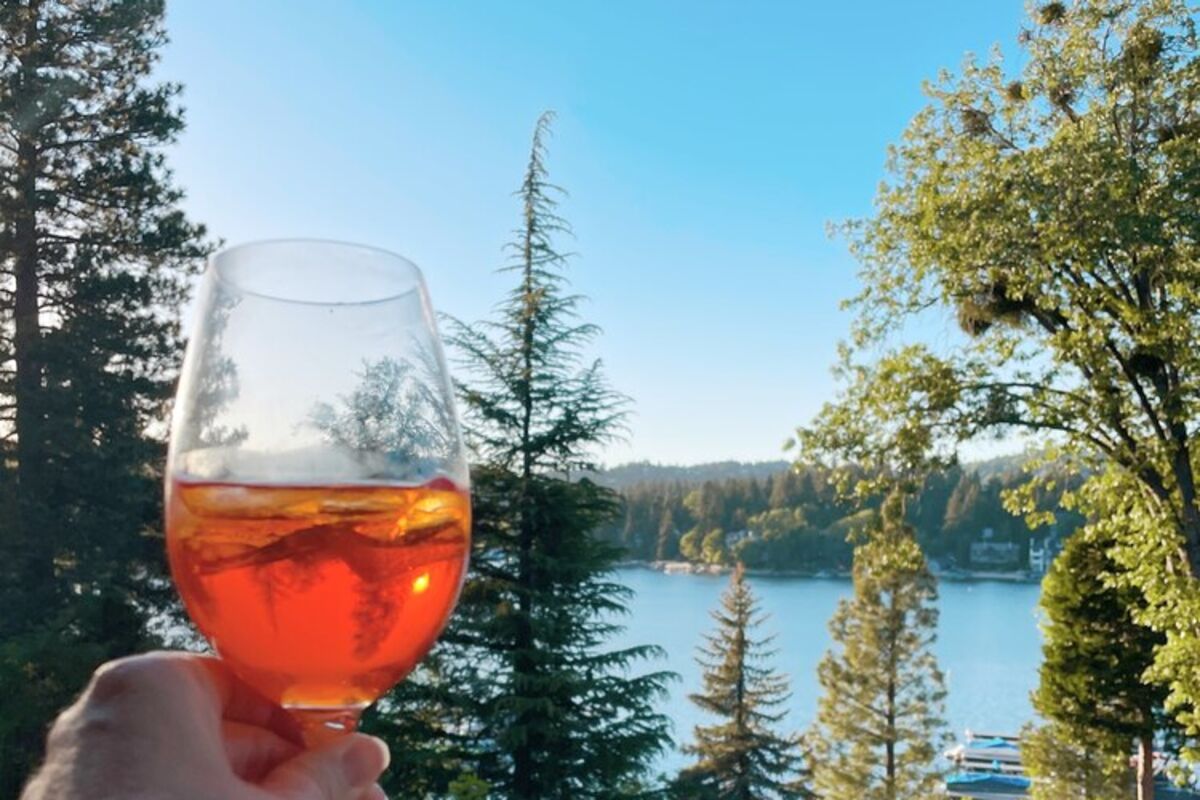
{"points": [[320, 725]]}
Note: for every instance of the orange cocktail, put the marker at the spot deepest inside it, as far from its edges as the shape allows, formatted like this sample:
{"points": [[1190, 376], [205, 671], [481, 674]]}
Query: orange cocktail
{"points": [[319, 596]]}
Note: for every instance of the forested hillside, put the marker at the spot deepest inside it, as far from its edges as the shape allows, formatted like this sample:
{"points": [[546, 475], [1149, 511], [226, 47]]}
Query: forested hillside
{"points": [[794, 520]]}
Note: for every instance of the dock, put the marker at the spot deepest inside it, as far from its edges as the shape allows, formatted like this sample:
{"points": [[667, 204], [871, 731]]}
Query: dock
{"points": [[988, 766]]}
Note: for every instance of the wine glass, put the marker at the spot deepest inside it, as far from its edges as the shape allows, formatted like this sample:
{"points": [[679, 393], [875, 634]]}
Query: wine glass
{"points": [[317, 504]]}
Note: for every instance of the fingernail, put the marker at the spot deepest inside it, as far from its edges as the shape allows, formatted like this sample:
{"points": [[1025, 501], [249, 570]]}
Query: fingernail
{"points": [[364, 760]]}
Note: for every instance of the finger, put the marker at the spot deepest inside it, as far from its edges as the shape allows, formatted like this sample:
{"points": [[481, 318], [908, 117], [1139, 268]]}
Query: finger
{"points": [[253, 751], [227, 695], [342, 768], [147, 692], [373, 793], [241, 703]]}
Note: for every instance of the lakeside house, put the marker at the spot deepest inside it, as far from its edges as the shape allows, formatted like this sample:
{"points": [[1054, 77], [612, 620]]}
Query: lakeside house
{"points": [[1043, 551], [734, 538], [989, 553]]}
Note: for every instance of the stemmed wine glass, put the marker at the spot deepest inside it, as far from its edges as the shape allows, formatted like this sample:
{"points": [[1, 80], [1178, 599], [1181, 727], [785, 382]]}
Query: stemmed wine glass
{"points": [[318, 514]]}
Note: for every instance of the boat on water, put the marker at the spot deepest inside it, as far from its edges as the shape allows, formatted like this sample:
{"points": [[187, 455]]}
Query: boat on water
{"points": [[990, 753], [984, 786], [988, 766]]}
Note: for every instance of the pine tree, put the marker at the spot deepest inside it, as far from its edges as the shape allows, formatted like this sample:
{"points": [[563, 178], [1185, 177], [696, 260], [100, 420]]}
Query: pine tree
{"points": [[1095, 656], [532, 699], [962, 506], [784, 489], [742, 757], [94, 258], [666, 545], [1066, 767], [879, 722]]}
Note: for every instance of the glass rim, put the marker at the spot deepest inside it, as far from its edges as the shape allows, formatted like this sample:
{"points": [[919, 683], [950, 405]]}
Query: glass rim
{"points": [[228, 253]]}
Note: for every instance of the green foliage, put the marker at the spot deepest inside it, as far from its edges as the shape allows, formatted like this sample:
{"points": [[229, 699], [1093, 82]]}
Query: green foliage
{"points": [[1093, 684], [1095, 654], [690, 545], [1052, 211], [879, 729], [712, 548], [1066, 767], [796, 520], [1141, 543], [525, 691], [94, 259], [468, 787], [742, 757], [43, 667]]}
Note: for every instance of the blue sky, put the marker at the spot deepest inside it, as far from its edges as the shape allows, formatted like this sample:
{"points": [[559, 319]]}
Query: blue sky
{"points": [[705, 146]]}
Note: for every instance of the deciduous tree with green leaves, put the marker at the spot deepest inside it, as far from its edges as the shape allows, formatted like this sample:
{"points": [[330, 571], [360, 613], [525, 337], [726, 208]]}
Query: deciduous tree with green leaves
{"points": [[879, 726], [526, 691], [742, 757], [1051, 212], [94, 262]]}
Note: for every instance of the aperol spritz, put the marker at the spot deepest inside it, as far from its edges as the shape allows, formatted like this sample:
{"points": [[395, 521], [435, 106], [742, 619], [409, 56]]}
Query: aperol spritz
{"points": [[318, 511]]}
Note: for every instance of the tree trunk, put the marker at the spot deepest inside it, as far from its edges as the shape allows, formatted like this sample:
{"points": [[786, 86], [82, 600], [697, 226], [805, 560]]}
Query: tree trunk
{"points": [[890, 745], [1145, 771], [1191, 521], [35, 545], [524, 785]]}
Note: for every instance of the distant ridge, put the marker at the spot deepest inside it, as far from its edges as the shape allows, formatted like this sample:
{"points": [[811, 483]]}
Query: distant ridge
{"points": [[624, 475], [997, 466]]}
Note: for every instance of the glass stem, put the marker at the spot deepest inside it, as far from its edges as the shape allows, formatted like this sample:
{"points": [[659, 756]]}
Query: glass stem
{"points": [[320, 725]]}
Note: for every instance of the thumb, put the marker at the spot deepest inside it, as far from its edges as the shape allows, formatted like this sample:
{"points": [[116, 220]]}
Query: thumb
{"points": [[337, 770]]}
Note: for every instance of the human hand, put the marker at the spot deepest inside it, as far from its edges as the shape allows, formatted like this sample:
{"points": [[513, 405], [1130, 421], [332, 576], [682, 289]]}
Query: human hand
{"points": [[175, 726]]}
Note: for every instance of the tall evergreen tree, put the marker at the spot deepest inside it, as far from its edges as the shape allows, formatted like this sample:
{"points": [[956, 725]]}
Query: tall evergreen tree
{"points": [[742, 757], [879, 723], [539, 704], [666, 544], [1095, 657], [94, 256]]}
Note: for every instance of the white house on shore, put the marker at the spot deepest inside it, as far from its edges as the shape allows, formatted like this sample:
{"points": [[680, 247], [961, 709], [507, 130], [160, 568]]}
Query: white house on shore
{"points": [[1043, 551]]}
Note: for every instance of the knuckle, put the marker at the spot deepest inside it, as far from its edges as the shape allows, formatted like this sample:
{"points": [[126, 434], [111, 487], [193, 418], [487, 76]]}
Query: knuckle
{"points": [[120, 694], [116, 679], [62, 732], [97, 722], [83, 731], [151, 674], [83, 722]]}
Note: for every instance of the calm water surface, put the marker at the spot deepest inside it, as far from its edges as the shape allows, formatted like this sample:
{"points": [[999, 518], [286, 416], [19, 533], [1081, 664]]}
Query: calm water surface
{"points": [[988, 643]]}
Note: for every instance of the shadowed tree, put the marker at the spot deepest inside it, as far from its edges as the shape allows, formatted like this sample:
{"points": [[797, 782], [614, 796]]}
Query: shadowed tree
{"points": [[94, 259], [1095, 657]]}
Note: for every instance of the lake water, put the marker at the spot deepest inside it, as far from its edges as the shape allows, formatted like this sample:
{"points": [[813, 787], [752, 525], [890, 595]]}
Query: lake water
{"points": [[988, 643]]}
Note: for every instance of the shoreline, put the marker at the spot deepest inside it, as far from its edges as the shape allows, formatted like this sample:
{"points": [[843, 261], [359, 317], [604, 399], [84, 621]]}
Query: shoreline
{"points": [[692, 568]]}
